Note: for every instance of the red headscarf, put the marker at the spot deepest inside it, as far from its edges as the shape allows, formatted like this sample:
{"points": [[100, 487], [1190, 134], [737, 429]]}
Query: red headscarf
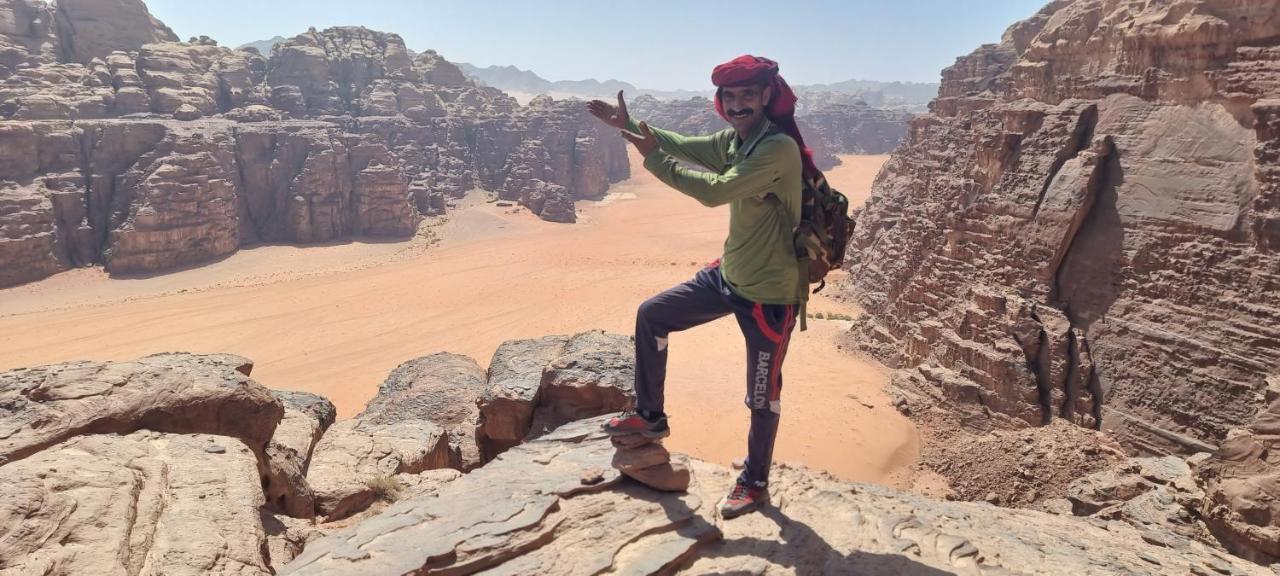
{"points": [[747, 69]]}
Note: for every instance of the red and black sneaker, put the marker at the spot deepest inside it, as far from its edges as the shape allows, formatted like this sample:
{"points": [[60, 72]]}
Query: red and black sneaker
{"points": [[631, 422], [743, 499]]}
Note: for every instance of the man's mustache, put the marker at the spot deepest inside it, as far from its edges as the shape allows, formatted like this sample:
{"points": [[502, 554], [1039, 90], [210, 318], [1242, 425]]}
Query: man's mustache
{"points": [[742, 112]]}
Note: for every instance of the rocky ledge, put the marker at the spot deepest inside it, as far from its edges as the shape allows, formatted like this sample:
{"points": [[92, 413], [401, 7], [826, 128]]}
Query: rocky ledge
{"points": [[183, 464]]}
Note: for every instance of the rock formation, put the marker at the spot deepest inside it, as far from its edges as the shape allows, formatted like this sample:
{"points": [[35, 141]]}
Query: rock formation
{"points": [[159, 465], [124, 148], [1084, 231], [646, 461], [1242, 486], [1085, 227]]}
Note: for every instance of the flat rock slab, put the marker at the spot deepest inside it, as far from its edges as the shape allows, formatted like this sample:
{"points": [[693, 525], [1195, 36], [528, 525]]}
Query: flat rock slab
{"points": [[181, 393], [820, 525], [146, 503], [527, 512]]}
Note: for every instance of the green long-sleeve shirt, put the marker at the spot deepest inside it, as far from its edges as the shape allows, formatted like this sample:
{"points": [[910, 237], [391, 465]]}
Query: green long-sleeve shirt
{"points": [[759, 258]]}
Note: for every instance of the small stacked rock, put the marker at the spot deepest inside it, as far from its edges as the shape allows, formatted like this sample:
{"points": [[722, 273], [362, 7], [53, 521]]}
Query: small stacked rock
{"points": [[646, 461]]}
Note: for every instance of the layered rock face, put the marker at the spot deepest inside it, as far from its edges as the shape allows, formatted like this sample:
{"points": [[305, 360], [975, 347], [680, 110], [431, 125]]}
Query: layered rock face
{"points": [[141, 154], [1084, 227]]}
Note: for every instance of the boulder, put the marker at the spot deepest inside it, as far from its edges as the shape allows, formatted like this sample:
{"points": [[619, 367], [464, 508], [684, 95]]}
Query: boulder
{"points": [[514, 385], [441, 388], [594, 375]]}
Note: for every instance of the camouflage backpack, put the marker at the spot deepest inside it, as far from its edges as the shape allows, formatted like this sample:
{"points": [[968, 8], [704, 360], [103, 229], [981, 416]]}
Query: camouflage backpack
{"points": [[824, 229], [823, 233]]}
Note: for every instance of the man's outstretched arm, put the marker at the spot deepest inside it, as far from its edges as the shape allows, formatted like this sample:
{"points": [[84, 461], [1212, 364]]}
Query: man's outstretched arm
{"points": [[709, 151], [772, 161]]}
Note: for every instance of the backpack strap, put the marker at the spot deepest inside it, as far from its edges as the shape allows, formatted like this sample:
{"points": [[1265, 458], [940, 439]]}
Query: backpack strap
{"points": [[788, 232]]}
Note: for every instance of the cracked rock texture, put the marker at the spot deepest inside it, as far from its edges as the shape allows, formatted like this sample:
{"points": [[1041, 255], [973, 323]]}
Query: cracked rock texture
{"points": [[121, 147]]}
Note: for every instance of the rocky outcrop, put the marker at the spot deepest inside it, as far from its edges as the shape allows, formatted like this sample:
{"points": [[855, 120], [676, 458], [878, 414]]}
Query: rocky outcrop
{"points": [[306, 417], [648, 462], [855, 128], [593, 375], [355, 462], [578, 515], [442, 388], [91, 29], [1242, 486], [338, 133], [194, 500], [1083, 227], [1159, 497], [514, 390]]}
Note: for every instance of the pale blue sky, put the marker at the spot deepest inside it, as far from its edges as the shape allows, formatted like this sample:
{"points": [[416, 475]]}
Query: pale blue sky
{"points": [[654, 44]]}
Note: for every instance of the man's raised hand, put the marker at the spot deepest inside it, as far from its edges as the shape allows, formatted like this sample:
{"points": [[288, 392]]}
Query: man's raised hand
{"points": [[615, 116], [645, 141]]}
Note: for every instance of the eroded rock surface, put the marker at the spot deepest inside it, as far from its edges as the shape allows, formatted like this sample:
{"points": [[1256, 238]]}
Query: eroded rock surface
{"points": [[514, 388], [356, 462], [561, 522], [306, 417], [148, 502], [442, 388]]}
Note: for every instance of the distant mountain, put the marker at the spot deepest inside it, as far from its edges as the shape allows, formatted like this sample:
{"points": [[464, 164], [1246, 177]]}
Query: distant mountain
{"points": [[264, 46], [911, 95], [514, 80], [526, 83]]}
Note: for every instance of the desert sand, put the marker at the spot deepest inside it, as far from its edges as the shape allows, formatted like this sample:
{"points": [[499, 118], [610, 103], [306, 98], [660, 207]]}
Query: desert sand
{"points": [[336, 319]]}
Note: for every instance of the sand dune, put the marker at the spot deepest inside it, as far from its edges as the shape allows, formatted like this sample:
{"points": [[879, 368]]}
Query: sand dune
{"points": [[336, 319]]}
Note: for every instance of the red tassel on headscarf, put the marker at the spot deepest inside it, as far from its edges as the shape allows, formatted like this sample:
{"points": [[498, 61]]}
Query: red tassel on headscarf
{"points": [[749, 69]]}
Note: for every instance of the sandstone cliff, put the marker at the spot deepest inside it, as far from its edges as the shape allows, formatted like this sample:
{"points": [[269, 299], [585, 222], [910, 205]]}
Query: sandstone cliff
{"points": [[142, 154], [1085, 227]]}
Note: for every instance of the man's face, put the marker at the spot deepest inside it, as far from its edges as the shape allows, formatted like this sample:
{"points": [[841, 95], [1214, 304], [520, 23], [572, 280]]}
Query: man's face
{"points": [[744, 105]]}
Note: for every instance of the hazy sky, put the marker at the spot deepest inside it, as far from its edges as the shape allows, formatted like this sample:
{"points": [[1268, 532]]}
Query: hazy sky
{"points": [[654, 44]]}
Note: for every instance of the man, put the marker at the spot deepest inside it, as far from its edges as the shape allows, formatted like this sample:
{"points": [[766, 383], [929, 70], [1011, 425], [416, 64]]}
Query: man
{"points": [[755, 167]]}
